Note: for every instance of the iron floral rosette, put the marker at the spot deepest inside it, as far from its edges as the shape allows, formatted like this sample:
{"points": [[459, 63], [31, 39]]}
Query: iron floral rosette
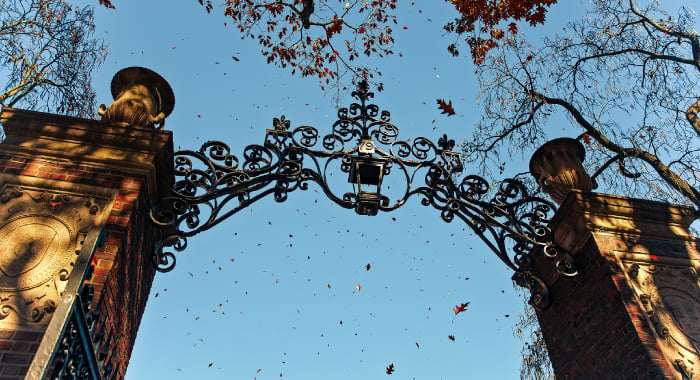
{"points": [[212, 185]]}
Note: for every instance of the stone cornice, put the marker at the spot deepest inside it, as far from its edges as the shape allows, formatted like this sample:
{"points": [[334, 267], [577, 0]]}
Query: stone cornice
{"points": [[584, 212], [84, 141]]}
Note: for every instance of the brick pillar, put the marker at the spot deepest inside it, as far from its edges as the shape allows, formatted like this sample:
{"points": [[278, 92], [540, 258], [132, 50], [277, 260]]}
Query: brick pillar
{"points": [[62, 179], [633, 311]]}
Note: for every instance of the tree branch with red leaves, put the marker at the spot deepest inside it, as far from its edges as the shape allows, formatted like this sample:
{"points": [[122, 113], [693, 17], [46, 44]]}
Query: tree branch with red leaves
{"points": [[330, 39], [480, 22], [311, 38]]}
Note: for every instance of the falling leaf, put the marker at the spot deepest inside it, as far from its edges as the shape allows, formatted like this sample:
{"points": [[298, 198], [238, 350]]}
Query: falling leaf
{"points": [[446, 107], [451, 337], [368, 266], [390, 369], [512, 28], [460, 308], [586, 139], [211, 364]]}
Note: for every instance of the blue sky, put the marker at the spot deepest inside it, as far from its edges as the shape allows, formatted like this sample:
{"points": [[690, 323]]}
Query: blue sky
{"points": [[262, 296]]}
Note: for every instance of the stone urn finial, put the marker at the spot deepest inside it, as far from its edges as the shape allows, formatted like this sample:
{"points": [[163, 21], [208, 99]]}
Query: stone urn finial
{"points": [[141, 97], [558, 167]]}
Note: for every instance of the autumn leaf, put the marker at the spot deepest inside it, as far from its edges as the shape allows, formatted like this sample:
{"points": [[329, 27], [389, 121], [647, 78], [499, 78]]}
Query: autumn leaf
{"points": [[460, 308], [390, 369], [512, 28], [446, 107], [451, 337], [368, 266], [586, 139], [107, 4]]}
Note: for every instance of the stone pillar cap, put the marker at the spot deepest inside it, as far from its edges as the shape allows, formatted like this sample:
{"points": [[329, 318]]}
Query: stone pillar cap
{"points": [[130, 76]]}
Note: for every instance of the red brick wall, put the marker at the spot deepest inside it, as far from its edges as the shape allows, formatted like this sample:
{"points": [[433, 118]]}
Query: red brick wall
{"points": [[123, 268], [17, 350], [123, 271], [594, 329]]}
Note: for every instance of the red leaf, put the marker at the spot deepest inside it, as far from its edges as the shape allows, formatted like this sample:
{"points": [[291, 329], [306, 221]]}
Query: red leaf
{"points": [[107, 4], [460, 308], [586, 139], [512, 28], [451, 337], [446, 107], [390, 369]]}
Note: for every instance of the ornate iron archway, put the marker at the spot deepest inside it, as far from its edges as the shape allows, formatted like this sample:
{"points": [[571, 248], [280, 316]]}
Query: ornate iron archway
{"points": [[212, 185]]}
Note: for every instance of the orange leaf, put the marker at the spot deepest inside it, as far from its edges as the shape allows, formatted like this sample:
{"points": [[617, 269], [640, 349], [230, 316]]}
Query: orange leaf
{"points": [[460, 308]]}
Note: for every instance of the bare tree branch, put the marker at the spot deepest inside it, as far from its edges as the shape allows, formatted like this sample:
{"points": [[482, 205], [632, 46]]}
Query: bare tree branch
{"points": [[626, 77], [654, 161], [49, 52]]}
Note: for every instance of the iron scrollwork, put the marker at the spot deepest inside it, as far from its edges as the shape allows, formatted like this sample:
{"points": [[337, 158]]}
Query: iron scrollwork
{"points": [[75, 354], [212, 184]]}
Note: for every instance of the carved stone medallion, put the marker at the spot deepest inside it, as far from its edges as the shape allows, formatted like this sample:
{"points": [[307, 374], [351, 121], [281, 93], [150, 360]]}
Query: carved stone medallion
{"points": [[35, 247], [41, 232], [670, 296]]}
